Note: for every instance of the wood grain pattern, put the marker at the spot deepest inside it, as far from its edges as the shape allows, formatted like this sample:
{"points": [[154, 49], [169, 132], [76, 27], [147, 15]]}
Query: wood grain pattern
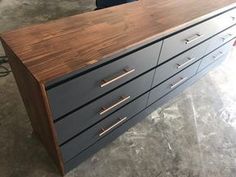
{"points": [[64, 46], [33, 93]]}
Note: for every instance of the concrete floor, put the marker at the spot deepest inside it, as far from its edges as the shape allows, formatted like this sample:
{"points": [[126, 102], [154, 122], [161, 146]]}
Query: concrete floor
{"points": [[191, 136]]}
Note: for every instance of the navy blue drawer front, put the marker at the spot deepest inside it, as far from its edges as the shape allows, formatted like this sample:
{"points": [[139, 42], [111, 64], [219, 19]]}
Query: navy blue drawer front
{"points": [[216, 55], [179, 63], [104, 141], [172, 83], [211, 66], [117, 132], [94, 112], [121, 129], [103, 128], [186, 39], [75, 93], [221, 38]]}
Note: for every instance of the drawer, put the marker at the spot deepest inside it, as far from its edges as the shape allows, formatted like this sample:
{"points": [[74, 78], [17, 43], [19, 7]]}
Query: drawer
{"points": [[180, 62], [229, 18], [225, 20], [172, 83], [103, 128], [194, 35], [104, 141], [215, 55], [211, 66], [221, 38], [97, 110], [76, 92]]}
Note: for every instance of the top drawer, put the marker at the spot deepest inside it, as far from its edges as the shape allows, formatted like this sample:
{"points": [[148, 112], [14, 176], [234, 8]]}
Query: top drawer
{"points": [[75, 93], [192, 36]]}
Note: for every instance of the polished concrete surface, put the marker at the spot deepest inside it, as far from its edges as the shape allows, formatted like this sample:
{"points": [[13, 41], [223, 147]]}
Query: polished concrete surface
{"points": [[193, 135]]}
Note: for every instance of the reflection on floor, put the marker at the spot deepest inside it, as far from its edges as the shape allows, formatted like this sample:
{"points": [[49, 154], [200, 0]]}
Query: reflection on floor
{"points": [[193, 135]]}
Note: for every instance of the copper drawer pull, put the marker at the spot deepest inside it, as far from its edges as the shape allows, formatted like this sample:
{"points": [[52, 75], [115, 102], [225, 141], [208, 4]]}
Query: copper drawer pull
{"points": [[226, 37], [184, 64], [194, 38], [219, 55], [104, 131], [123, 99], [179, 82], [105, 82]]}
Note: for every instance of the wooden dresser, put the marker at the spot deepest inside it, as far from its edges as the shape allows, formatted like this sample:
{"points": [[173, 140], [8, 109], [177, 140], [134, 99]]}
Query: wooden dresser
{"points": [[86, 79]]}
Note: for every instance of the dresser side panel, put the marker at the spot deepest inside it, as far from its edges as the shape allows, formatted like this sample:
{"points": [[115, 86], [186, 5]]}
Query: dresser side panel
{"points": [[35, 100]]}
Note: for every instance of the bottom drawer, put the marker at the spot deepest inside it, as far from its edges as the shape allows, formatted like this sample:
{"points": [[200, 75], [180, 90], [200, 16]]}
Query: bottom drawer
{"points": [[172, 83], [103, 142], [216, 55], [100, 130]]}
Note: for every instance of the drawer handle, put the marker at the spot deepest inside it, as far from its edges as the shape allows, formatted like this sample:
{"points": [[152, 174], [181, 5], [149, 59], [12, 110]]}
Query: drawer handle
{"points": [[226, 37], [194, 38], [219, 55], [123, 99], [104, 131], [105, 82], [179, 82], [233, 18], [184, 64]]}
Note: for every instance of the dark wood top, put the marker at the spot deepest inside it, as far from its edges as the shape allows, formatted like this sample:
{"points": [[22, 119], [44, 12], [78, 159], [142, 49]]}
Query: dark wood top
{"points": [[64, 46]]}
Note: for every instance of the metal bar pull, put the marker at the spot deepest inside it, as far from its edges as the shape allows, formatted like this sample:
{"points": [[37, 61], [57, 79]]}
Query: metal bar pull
{"points": [[193, 38], [125, 72], [186, 63], [104, 131], [226, 37], [122, 99], [179, 82], [219, 55]]}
